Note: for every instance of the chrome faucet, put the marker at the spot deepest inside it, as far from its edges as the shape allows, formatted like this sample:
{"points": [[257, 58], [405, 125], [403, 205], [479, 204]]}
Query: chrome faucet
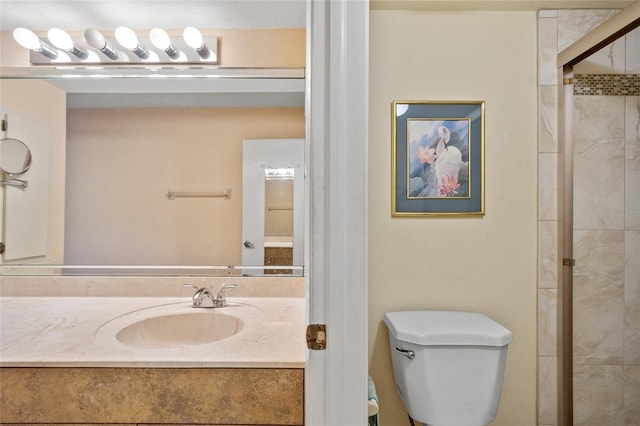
{"points": [[203, 298]]}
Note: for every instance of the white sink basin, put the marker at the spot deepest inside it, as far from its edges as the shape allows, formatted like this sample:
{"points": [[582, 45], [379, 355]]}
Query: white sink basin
{"points": [[194, 328]]}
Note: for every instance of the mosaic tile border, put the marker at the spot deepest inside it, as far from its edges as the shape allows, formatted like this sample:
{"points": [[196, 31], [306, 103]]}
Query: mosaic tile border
{"points": [[606, 84]]}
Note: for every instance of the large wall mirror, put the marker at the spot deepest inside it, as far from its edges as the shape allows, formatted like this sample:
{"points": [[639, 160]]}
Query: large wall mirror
{"points": [[149, 171], [138, 161], [156, 179]]}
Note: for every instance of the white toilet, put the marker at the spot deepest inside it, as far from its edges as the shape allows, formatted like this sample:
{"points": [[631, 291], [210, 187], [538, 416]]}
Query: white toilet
{"points": [[448, 366]]}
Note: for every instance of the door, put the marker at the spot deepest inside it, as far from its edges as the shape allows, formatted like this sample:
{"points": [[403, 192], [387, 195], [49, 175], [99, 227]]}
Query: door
{"points": [[267, 163], [336, 137], [25, 209]]}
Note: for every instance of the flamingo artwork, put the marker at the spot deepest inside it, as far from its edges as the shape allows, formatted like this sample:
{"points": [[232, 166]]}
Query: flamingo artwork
{"points": [[439, 158]]}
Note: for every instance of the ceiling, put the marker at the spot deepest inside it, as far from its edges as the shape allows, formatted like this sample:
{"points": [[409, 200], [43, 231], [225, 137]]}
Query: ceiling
{"points": [[497, 4], [72, 15], [76, 15]]}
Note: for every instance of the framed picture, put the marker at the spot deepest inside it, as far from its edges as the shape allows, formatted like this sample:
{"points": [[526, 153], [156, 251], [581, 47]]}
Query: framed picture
{"points": [[437, 158]]}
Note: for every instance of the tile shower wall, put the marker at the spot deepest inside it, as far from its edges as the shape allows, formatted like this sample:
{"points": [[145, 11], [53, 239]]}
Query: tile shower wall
{"points": [[606, 247], [606, 224]]}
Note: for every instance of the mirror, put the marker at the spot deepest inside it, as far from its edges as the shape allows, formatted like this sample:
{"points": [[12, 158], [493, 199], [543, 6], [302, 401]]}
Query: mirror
{"points": [[15, 157], [278, 217], [278, 205], [273, 196], [123, 136], [121, 161]]}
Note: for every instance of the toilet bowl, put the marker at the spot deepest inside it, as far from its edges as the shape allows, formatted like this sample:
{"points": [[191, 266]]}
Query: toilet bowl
{"points": [[448, 366]]}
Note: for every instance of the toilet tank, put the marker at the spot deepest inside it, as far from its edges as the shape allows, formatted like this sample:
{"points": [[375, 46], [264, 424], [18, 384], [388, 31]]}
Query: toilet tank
{"points": [[448, 366]]}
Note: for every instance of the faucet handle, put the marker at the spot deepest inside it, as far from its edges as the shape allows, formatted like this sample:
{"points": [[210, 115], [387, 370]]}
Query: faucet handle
{"points": [[202, 297], [221, 300], [222, 294]]}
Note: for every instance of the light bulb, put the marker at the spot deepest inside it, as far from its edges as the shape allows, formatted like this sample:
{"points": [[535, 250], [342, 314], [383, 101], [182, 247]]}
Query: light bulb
{"points": [[161, 40], [96, 40], [29, 40], [193, 37], [60, 39], [26, 38], [128, 39]]}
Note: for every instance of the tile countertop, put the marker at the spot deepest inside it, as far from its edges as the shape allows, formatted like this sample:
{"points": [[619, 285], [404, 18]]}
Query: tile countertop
{"points": [[81, 332]]}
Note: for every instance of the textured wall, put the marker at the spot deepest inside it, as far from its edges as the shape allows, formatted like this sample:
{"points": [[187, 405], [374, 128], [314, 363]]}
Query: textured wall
{"points": [[480, 264], [122, 162]]}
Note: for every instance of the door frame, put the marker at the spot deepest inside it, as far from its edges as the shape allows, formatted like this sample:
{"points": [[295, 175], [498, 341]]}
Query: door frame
{"points": [[614, 28], [336, 105]]}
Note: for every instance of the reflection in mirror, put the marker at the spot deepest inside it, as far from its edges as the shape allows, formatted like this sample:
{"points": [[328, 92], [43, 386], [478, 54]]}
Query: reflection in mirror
{"points": [[118, 155], [125, 218], [273, 202], [278, 218], [15, 159]]}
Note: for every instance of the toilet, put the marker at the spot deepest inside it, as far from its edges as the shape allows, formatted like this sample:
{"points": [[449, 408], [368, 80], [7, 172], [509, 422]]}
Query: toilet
{"points": [[448, 366]]}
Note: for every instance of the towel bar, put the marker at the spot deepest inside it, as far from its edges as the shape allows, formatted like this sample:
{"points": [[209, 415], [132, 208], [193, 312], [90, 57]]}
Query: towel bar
{"points": [[226, 194]]}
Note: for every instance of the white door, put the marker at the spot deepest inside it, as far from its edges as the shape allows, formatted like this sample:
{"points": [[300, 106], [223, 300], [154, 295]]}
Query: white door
{"points": [[260, 156], [25, 210], [336, 135]]}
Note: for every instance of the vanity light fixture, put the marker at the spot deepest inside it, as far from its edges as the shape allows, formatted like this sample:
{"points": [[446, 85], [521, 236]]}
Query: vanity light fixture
{"points": [[29, 40], [160, 39], [279, 173], [156, 47], [127, 38], [95, 39], [62, 40], [193, 37]]}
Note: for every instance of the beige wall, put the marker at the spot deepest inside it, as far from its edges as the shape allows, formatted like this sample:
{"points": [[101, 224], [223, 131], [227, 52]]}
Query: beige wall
{"points": [[478, 264], [122, 162], [46, 104]]}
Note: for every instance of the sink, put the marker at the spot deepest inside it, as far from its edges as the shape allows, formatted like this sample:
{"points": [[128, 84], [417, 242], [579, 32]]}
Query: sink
{"points": [[195, 328]]}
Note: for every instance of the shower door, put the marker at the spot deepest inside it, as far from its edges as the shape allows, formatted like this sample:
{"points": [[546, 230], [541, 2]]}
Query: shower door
{"points": [[606, 246]]}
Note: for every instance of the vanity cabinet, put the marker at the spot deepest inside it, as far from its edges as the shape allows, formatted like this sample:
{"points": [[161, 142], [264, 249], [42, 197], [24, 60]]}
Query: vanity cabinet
{"points": [[126, 396]]}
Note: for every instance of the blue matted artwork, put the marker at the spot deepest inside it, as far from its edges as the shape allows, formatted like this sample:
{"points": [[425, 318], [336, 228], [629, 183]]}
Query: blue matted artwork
{"points": [[437, 158]]}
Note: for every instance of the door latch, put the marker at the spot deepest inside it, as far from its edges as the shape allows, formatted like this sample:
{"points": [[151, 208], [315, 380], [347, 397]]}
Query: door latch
{"points": [[317, 337]]}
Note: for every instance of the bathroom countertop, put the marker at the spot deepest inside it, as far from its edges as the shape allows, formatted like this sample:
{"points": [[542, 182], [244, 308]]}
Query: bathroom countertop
{"points": [[81, 332]]}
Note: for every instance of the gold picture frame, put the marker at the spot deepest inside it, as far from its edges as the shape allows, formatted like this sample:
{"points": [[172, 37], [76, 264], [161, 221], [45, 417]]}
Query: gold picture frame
{"points": [[437, 158]]}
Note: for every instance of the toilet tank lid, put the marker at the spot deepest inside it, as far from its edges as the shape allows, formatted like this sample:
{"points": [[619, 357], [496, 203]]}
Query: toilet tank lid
{"points": [[440, 328]]}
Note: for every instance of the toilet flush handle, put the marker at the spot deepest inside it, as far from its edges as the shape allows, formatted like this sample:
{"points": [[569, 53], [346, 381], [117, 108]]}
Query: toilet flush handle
{"points": [[409, 354]]}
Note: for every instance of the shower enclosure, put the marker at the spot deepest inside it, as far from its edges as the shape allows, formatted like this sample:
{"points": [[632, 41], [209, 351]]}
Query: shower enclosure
{"points": [[589, 221], [606, 247]]}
